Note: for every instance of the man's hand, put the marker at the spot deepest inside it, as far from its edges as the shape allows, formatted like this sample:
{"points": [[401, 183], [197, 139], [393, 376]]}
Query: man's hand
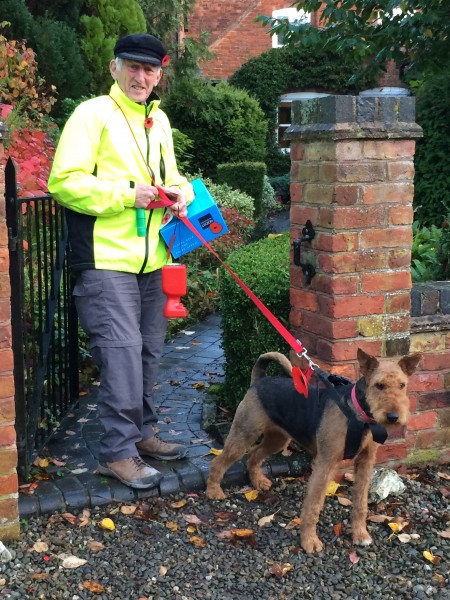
{"points": [[179, 207], [145, 194]]}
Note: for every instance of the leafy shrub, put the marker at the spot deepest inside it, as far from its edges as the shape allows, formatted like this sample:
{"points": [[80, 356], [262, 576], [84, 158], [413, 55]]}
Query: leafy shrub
{"points": [[432, 158], [282, 187], [264, 267], [442, 269], [272, 73], [224, 123], [226, 197], [269, 202], [423, 251], [247, 177], [183, 150]]}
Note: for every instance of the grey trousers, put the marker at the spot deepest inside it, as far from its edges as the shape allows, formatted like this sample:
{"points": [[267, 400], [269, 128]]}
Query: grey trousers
{"points": [[122, 314]]}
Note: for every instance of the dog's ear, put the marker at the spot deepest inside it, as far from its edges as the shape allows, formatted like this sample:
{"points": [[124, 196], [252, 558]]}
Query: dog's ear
{"points": [[367, 363], [409, 363]]}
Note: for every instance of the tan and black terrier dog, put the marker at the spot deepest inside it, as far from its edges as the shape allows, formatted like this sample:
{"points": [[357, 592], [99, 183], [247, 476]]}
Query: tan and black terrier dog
{"points": [[347, 425]]}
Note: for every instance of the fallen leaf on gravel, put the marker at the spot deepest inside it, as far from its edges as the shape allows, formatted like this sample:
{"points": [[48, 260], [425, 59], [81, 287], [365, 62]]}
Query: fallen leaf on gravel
{"points": [[73, 562], [354, 558], [279, 569], [223, 516], [28, 489], [163, 571], [2, 581], [294, 523], [404, 538], [215, 451], [197, 542], [332, 488], [38, 576], [107, 524], [445, 492], [40, 547], [192, 519], [445, 534], [79, 471], [264, 520], [349, 476], [179, 504], [172, 526], [70, 518], [435, 560], [144, 512], [344, 501], [128, 509], [444, 475], [95, 546], [199, 385], [57, 463], [85, 517], [41, 462], [379, 518], [191, 529], [242, 532], [252, 495], [439, 579], [94, 587], [337, 528]]}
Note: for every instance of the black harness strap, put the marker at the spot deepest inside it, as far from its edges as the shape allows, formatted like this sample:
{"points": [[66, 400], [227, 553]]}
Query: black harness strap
{"points": [[356, 427]]}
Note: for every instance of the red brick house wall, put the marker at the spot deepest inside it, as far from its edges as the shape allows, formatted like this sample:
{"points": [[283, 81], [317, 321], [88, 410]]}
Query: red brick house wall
{"points": [[234, 35]]}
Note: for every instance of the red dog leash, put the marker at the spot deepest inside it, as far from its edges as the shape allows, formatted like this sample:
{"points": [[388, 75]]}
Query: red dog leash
{"points": [[301, 377]]}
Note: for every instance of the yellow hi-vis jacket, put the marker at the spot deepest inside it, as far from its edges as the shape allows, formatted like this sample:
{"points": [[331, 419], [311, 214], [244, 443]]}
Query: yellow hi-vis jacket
{"points": [[96, 167]]}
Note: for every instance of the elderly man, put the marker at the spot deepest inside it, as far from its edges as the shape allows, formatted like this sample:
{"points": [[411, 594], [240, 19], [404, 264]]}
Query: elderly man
{"points": [[112, 153]]}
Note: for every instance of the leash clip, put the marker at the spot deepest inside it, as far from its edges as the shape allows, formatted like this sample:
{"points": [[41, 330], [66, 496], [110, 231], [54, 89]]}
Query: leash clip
{"points": [[311, 363]]}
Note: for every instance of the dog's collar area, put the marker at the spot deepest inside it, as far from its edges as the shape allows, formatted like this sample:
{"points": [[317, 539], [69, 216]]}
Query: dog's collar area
{"points": [[360, 411]]}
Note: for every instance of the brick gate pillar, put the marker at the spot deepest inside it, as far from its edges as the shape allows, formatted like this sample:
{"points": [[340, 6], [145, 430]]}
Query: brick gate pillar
{"points": [[352, 177], [9, 512]]}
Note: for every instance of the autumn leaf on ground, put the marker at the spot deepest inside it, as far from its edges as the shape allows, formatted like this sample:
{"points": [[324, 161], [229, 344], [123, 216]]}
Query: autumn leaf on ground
{"points": [[445, 492], [379, 518], [279, 569], [107, 524], [179, 504], [337, 528], [332, 488], [294, 523], [92, 586], [445, 534], [172, 526], [439, 579], [128, 509], [241, 533], [251, 495], [197, 542], [264, 520], [397, 524], [163, 571], [344, 501], [192, 519], [354, 558], [73, 562], [215, 451], [435, 560], [57, 463], [95, 546], [40, 547], [28, 489], [444, 475], [223, 516], [144, 512], [85, 517], [191, 529], [199, 385], [70, 518], [405, 538], [39, 576], [41, 462]]}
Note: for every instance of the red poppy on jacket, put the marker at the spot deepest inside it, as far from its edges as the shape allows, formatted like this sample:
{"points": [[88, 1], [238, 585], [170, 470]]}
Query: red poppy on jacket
{"points": [[148, 123]]}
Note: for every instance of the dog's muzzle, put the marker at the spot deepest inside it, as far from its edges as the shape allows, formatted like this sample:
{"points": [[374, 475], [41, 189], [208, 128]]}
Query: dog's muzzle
{"points": [[392, 417]]}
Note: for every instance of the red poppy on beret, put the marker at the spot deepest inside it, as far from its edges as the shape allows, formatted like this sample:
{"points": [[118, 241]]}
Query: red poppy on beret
{"points": [[165, 60]]}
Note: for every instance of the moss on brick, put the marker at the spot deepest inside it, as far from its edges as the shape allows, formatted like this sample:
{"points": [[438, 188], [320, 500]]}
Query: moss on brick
{"points": [[370, 327], [422, 456], [10, 531]]}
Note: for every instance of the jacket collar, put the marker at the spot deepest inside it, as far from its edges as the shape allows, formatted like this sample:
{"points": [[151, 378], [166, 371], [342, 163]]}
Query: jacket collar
{"points": [[152, 103]]}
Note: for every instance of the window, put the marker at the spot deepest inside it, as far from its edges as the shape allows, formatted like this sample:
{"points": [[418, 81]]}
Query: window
{"points": [[294, 16], [284, 113]]}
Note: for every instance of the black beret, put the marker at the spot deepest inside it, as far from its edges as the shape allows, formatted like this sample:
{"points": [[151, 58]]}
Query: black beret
{"points": [[142, 47]]}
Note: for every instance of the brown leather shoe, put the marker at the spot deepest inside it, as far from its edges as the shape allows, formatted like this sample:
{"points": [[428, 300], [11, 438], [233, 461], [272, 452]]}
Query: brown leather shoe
{"points": [[155, 447], [132, 471]]}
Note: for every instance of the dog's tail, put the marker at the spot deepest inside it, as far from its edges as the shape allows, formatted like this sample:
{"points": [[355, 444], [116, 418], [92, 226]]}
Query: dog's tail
{"points": [[260, 368]]}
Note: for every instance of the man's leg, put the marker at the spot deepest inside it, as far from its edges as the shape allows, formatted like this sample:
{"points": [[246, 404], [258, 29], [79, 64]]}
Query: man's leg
{"points": [[108, 305], [153, 330]]}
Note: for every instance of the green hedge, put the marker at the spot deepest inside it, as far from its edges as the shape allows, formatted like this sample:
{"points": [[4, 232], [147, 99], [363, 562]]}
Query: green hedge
{"points": [[248, 177], [264, 267]]}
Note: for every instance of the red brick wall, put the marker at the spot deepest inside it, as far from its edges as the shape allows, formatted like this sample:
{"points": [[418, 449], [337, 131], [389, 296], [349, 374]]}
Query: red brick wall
{"points": [[234, 36], [9, 520]]}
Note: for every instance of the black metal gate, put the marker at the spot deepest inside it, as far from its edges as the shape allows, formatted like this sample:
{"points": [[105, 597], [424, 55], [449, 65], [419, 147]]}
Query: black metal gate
{"points": [[43, 318]]}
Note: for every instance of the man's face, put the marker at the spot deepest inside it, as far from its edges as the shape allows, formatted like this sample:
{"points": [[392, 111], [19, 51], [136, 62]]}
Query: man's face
{"points": [[136, 79]]}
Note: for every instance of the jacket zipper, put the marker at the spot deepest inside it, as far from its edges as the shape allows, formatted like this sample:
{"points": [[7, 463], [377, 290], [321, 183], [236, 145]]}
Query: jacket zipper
{"points": [[147, 133]]}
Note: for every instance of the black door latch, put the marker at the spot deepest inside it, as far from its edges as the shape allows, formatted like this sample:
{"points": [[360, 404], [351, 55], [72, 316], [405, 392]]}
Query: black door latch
{"points": [[308, 235]]}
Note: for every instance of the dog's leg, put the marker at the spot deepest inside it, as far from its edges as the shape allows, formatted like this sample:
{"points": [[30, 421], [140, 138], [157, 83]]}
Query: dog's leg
{"points": [[364, 462], [323, 470], [274, 441]]}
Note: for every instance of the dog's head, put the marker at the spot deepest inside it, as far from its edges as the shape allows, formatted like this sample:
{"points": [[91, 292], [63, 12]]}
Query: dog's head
{"points": [[386, 386]]}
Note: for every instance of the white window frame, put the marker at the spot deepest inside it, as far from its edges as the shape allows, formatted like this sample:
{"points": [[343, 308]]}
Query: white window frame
{"points": [[293, 15]]}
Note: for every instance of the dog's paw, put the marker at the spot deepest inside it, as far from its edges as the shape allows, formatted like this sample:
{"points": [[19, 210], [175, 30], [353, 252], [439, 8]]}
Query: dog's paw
{"points": [[311, 544], [263, 484], [215, 494], [362, 538]]}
